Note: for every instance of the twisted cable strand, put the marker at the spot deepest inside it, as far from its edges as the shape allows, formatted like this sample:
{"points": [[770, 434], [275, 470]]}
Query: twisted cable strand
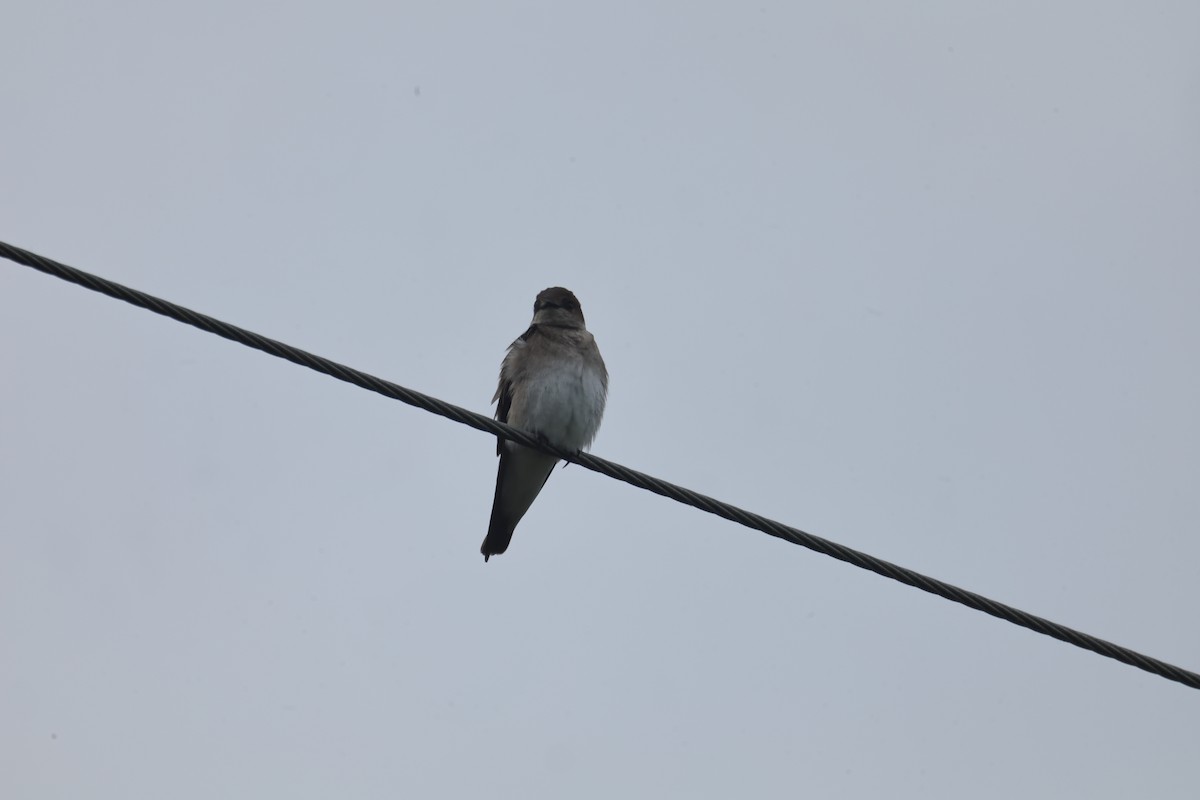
{"points": [[641, 480]]}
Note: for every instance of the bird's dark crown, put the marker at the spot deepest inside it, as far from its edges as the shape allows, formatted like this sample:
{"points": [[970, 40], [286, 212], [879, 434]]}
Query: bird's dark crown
{"points": [[556, 297]]}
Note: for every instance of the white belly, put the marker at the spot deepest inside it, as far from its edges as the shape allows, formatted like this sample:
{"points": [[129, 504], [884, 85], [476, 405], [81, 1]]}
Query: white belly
{"points": [[564, 403]]}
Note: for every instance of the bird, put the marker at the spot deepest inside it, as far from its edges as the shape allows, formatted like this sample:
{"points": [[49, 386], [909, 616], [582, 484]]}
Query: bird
{"points": [[553, 385]]}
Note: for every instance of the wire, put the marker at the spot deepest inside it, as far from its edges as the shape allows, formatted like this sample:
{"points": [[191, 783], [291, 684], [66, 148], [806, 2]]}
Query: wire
{"points": [[604, 467]]}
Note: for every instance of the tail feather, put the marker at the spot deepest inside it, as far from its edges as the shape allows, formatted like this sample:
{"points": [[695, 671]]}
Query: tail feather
{"points": [[498, 537], [521, 476]]}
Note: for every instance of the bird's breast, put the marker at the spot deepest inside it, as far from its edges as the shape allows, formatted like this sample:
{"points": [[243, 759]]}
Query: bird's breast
{"points": [[563, 401]]}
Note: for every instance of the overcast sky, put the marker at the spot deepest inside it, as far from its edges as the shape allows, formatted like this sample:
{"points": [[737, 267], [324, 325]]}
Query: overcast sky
{"points": [[923, 281]]}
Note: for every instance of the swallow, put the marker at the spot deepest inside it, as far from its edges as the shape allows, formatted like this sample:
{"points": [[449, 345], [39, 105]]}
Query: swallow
{"points": [[553, 385]]}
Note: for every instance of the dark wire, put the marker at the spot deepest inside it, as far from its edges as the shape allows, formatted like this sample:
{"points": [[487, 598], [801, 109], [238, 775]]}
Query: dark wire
{"points": [[605, 467]]}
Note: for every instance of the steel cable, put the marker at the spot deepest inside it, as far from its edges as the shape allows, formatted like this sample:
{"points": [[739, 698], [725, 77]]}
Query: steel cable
{"points": [[603, 466]]}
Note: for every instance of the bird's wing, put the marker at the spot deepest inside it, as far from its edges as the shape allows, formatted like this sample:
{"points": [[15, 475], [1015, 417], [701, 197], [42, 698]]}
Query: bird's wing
{"points": [[503, 397]]}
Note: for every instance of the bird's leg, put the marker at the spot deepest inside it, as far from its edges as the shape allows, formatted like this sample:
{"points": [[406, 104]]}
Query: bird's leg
{"points": [[541, 437]]}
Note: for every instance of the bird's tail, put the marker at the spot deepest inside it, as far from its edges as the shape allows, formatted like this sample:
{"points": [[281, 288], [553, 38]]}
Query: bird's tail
{"points": [[500, 533], [522, 474]]}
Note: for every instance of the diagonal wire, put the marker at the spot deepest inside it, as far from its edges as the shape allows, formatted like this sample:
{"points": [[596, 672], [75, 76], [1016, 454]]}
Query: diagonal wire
{"points": [[603, 466]]}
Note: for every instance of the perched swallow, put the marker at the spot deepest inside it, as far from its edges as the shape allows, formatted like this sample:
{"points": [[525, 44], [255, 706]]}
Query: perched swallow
{"points": [[553, 384]]}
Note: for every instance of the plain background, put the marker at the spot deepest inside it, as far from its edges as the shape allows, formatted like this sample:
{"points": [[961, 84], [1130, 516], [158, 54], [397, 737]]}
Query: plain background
{"points": [[919, 279]]}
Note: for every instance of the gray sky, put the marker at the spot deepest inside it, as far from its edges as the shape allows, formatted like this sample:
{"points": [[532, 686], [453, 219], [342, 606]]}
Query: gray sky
{"points": [[920, 281]]}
